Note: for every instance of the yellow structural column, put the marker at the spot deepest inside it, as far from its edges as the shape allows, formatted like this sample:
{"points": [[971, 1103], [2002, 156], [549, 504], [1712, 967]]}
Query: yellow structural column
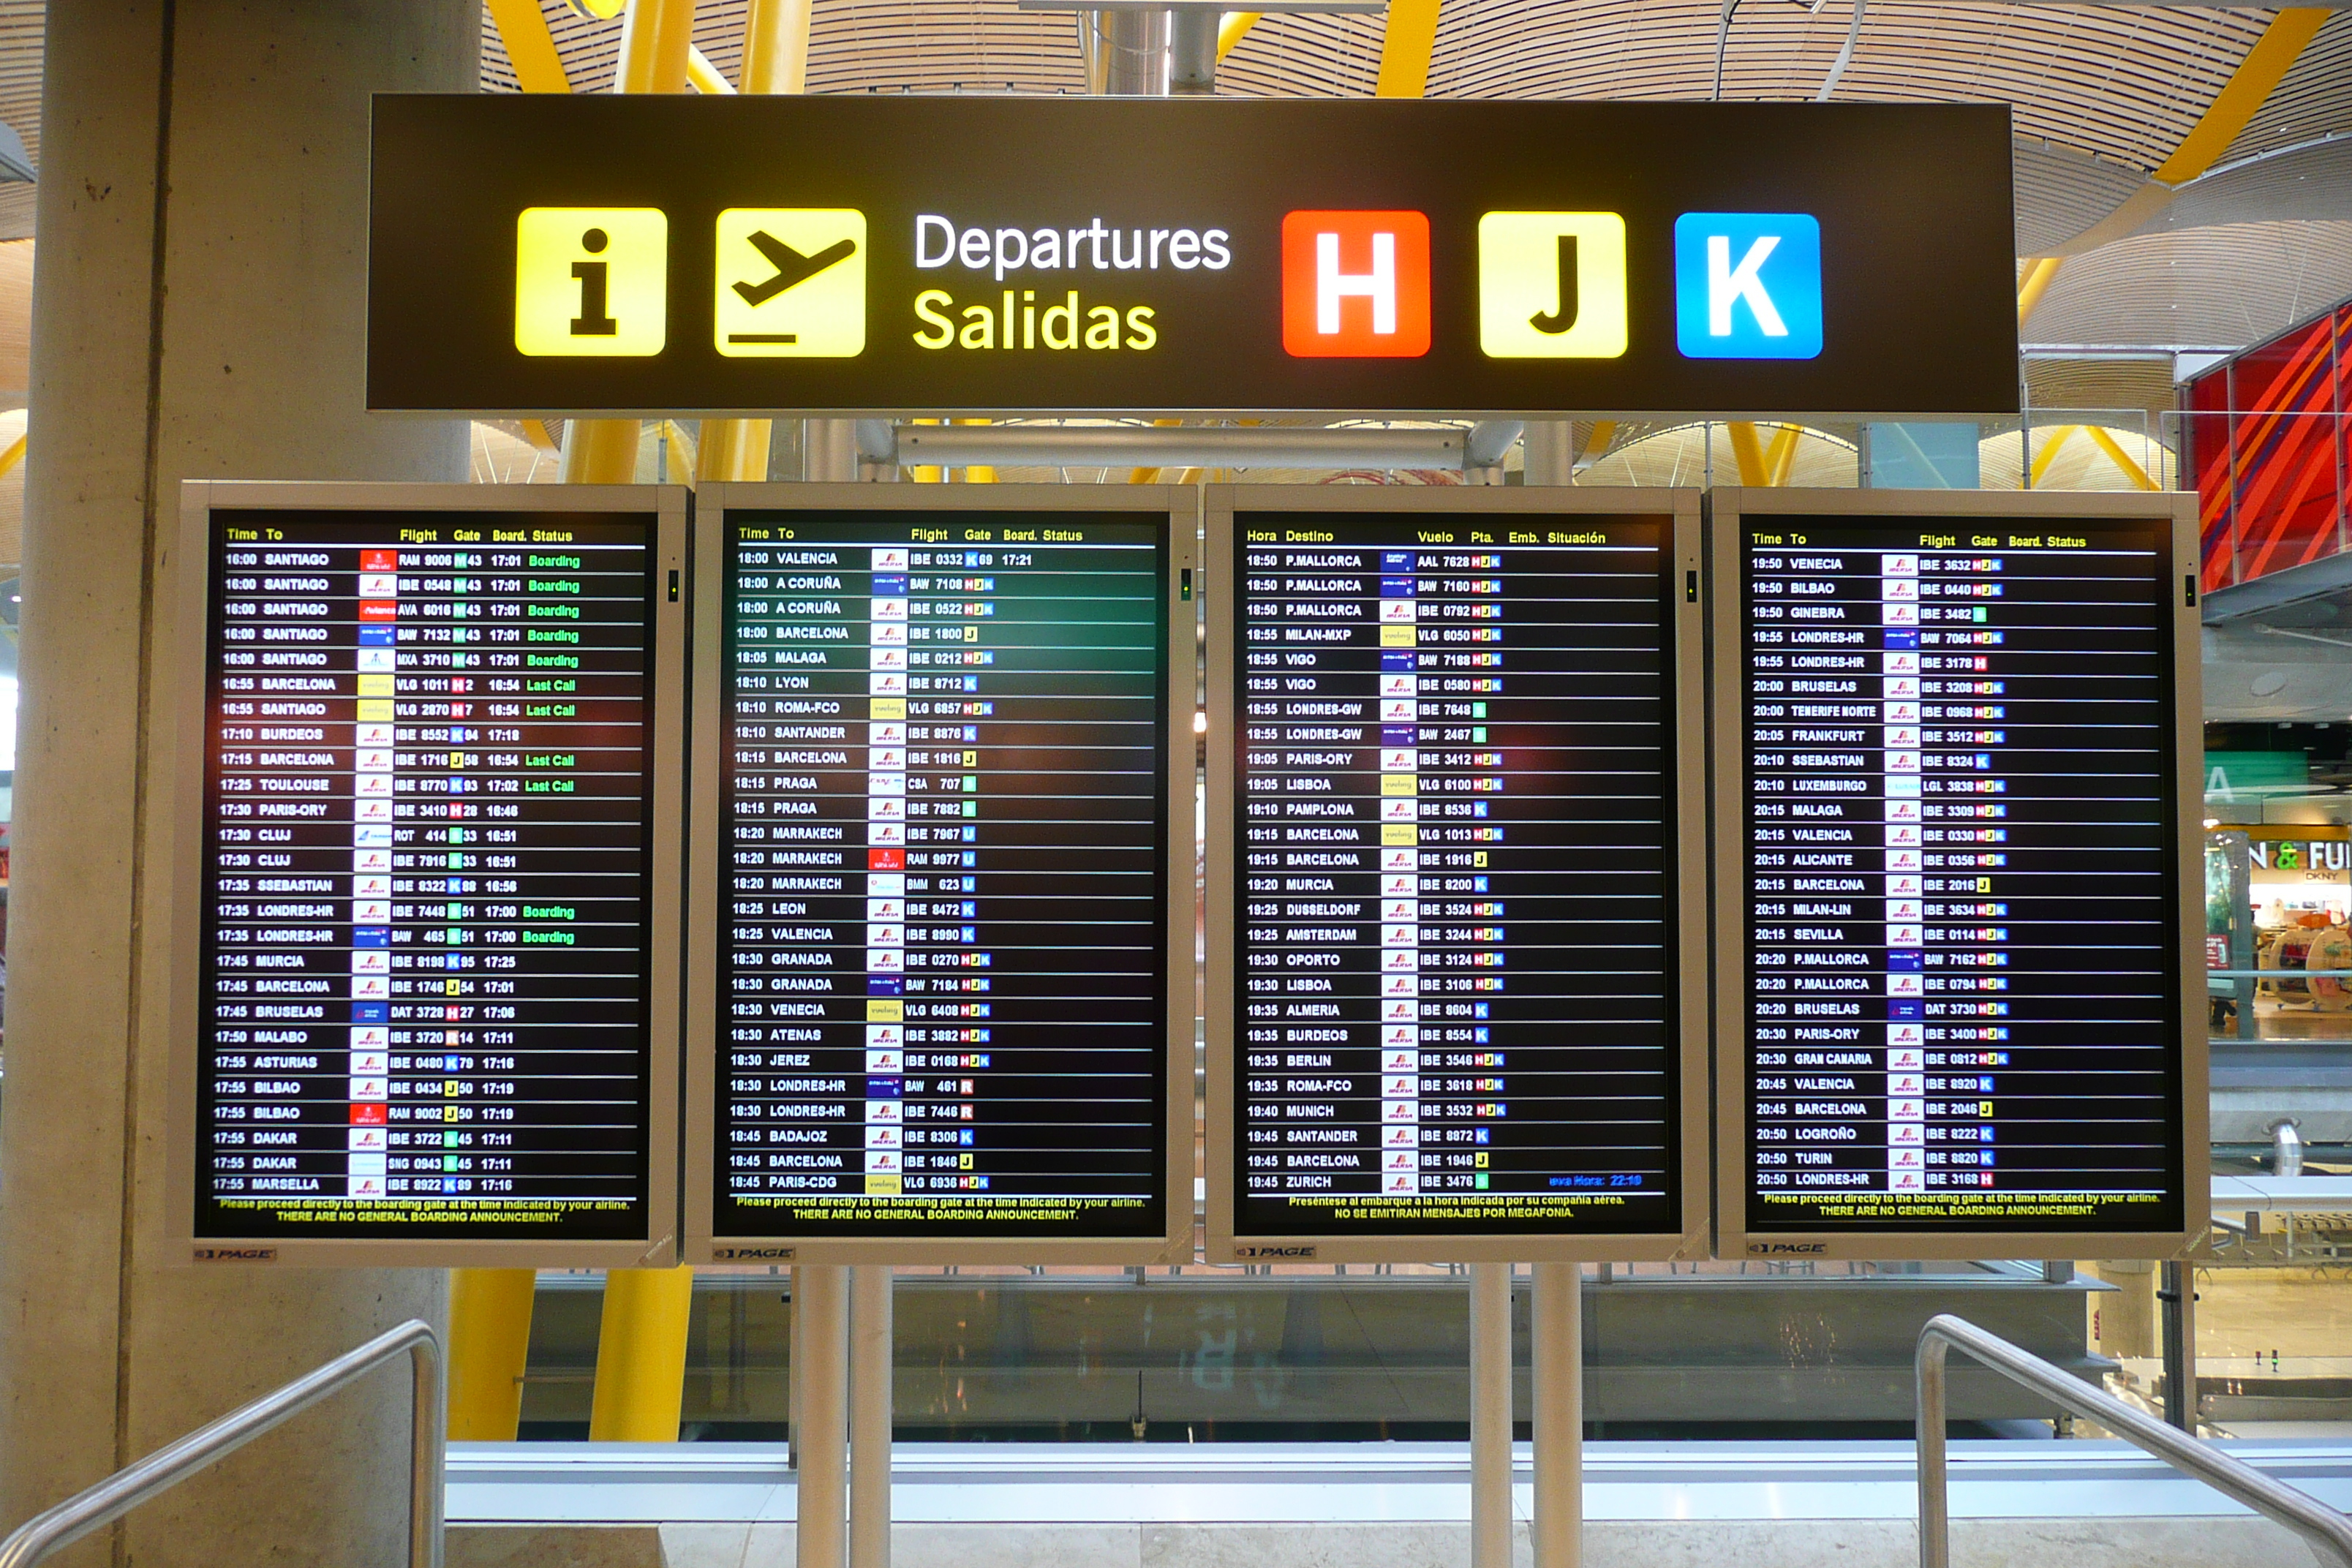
{"points": [[489, 1308], [1744, 448], [775, 61], [1406, 45], [489, 1343], [641, 1347], [641, 1355]]}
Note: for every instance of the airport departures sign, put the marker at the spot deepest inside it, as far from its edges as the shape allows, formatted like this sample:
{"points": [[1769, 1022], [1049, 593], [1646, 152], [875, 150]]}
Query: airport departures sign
{"points": [[907, 255]]}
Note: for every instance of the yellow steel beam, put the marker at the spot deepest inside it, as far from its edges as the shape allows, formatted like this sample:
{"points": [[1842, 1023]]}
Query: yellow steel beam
{"points": [[641, 1355], [489, 1308], [14, 454], [1235, 28], [734, 450], [2249, 87], [490, 1341], [1597, 441], [657, 41], [704, 77], [1779, 455], [2122, 459], [775, 46], [1405, 48], [775, 61], [677, 454], [1749, 455], [2048, 455], [599, 452], [531, 48], [2036, 283], [641, 1348]]}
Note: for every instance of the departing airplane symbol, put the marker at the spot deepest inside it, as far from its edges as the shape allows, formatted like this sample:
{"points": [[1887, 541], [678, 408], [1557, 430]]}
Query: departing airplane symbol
{"points": [[792, 266], [1562, 318]]}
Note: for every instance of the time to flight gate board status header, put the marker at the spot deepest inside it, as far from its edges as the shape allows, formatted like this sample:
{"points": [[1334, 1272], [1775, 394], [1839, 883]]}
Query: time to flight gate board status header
{"points": [[1957, 854], [1455, 1002], [425, 963], [943, 950]]}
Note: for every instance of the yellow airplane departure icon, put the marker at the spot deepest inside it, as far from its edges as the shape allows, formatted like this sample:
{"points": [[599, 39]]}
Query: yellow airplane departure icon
{"points": [[592, 281], [791, 283]]}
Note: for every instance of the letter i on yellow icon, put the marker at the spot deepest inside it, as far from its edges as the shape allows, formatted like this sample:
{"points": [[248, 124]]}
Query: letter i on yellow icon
{"points": [[592, 281]]}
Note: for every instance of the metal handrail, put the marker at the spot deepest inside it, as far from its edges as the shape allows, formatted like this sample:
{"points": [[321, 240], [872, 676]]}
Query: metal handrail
{"points": [[2327, 1531], [110, 1498]]}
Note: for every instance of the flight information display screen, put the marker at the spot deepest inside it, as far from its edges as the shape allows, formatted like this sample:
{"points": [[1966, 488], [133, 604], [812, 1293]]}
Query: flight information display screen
{"points": [[1455, 1007], [1958, 862], [426, 938], [944, 841]]}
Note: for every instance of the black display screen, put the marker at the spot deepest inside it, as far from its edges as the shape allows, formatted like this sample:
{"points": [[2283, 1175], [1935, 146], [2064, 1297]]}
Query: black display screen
{"points": [[1962, 999], [425, 887], [1455, 1011], [944, 974]]}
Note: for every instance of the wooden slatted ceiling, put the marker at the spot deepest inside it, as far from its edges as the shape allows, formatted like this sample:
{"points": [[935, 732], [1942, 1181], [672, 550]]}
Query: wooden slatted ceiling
{"points": [[2218, 287], [2122, 84], [2315, 100], [20, 103]]}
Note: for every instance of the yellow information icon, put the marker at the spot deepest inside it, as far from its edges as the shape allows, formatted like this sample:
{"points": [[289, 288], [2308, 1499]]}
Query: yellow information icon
{"points": [[791, 283], [1551, 285], [592, 281]]}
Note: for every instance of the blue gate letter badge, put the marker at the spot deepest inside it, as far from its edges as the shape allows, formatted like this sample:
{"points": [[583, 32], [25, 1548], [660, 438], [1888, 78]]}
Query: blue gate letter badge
{"points": [[1747, 285]]}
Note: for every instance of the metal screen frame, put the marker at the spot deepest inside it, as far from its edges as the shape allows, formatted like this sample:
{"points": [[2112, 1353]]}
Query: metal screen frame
{"points": [[184, 685], [1681, 508], [1176, 508], [1730, 508]]}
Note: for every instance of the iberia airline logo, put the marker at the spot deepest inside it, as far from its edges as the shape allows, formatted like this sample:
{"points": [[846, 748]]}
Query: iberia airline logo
{"points": [[1355, 285]]}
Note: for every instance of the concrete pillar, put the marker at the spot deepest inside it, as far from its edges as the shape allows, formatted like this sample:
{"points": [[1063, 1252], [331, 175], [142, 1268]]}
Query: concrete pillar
{"points": [[199, 313], [2126, 1320]]}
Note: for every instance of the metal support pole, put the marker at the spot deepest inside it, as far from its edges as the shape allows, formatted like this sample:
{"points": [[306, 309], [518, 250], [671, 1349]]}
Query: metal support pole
{"points": [[1490, 1416], [1193, 52], [795, 1360], [1549, 452], [821, 1298], [489, 1344], [871, 1364], [829, 449], [1138, 44], [2178, 1294], [1556, 1336]]}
